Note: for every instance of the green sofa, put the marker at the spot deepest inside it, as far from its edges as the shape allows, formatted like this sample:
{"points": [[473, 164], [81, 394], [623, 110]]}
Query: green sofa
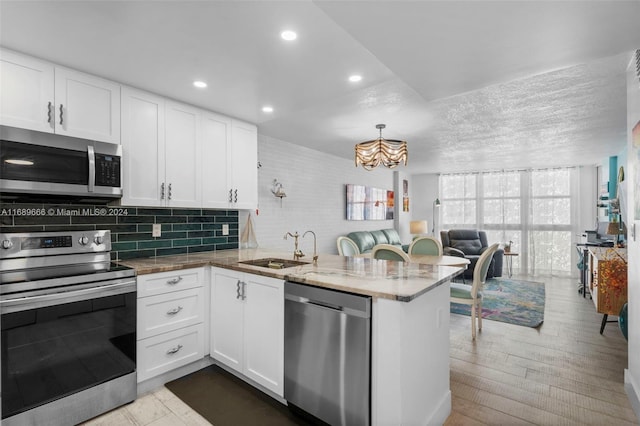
{"points": [[366, 240]]}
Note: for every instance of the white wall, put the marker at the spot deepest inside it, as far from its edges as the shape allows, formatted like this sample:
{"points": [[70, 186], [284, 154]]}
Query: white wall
{"points": [[316, 198], [632, 374], [402, 218], [424, 189], [586, 211]]}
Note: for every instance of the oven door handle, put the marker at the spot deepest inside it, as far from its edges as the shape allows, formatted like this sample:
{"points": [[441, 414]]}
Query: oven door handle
{"points": [[61, 297]]}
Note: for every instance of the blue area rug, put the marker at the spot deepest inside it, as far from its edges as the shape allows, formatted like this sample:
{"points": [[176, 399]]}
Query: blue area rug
{"points": [[511, 301]]}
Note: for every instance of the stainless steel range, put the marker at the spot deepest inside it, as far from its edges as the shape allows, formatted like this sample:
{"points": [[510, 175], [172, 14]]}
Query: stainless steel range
{"points": [[68, 319]]}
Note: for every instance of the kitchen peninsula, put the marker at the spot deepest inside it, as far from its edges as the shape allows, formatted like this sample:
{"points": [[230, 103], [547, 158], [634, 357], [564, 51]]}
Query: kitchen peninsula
{"points": [[409, 328]]}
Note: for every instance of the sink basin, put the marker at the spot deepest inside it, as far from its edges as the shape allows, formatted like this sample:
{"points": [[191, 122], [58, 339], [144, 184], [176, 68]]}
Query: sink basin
{"points": [[274, 263]]}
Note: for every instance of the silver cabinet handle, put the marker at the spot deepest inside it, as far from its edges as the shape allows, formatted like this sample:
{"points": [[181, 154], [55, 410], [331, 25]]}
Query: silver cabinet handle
{"points": [[238, 295], [61, 113], [174, 350], [235, 196], [174, 310], [174, 281], [244, 290], [162, 191], [49, 112], [231, 195], [169, 197]]}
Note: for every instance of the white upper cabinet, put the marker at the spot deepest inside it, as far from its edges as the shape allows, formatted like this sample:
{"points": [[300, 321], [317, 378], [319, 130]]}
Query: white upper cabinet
{"points": [[161, 151], [40, 96], [183, 155], [174, 155], [244, 165], [216, 155], [26, 92], [86, 106], [143, 150], [230, 163]]}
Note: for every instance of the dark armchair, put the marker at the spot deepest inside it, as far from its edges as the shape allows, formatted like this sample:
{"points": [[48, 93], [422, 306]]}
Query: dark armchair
{"points": [[470, 244]]}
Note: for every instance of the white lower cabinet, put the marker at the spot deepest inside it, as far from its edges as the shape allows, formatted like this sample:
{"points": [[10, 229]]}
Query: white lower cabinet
{"points": [[165, 352], [247, 326], [171, 316]]}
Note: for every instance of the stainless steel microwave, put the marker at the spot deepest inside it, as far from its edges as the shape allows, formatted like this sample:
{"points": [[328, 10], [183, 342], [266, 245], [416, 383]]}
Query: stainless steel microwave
{"points": [[44, 165]]}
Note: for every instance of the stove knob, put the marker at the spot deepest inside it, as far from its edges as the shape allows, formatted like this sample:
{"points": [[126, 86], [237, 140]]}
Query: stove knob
{"points": [[7, 244], [99, 239], [84, 240]]}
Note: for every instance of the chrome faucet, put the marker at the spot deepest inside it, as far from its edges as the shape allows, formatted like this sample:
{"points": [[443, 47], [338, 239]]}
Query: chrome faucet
{"points": [[315, 252], [297, 253]]}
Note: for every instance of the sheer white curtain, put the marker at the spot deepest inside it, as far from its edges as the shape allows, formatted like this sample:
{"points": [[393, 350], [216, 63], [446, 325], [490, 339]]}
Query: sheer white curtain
{"points": [[533, 209]]}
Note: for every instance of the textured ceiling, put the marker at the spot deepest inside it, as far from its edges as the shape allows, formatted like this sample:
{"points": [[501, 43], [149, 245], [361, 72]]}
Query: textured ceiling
{"points": [[469, 84], [541, 121]]}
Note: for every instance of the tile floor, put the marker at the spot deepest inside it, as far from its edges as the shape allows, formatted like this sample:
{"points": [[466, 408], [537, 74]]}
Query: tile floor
{"points": [[158, 408]]}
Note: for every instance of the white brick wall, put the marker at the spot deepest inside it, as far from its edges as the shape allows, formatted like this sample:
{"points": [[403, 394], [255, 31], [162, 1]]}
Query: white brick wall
{"points": [[316, 199]]}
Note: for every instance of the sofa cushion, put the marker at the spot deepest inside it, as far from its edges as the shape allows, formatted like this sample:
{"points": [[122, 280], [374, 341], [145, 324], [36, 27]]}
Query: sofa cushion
{"points": [[466, 240], [366, 240], [380, 237], [363, 239], [468, 247], [393, 237]]}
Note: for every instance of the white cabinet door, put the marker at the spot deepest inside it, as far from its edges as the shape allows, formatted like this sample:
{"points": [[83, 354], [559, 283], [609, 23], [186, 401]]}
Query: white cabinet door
{"points": [[264, 332], [142, 147], [86, 106], [226, 318], [26, 92], [247, 326], [216, 136], [183, 155], [37, 95], [244, 165]]}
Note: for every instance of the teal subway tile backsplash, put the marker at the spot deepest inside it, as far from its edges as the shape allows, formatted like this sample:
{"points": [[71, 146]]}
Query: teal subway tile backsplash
{"points": [[183, 230]]}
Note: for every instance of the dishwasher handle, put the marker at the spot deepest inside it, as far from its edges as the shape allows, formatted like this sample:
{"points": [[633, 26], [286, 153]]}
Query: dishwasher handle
{"points": [[308, 301], [325, 305]]}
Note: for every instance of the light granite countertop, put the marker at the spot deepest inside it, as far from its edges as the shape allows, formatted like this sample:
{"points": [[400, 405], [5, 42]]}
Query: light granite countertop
{"points": [[377, 278]]}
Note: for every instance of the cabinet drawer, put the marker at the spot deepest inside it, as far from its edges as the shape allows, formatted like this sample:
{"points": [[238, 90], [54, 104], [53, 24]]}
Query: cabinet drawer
{"points": [[165, 352], [165, 282], [170, 311]]}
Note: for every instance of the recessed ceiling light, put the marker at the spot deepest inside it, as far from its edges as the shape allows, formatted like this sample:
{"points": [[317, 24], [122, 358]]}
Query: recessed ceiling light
{"points": [[267, 108], [355, 78], [288, 35], [200, 84]]}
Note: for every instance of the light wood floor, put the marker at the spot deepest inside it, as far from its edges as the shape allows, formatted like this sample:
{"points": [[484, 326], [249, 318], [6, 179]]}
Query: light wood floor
{"points": [[563, 373]]}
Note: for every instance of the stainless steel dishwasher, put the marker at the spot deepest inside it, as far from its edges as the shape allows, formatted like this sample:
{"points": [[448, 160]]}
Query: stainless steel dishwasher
{"points": [[327, 354]]}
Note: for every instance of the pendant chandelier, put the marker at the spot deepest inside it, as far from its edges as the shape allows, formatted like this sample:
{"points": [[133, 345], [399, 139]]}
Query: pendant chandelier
{"points": [[388, 152]]}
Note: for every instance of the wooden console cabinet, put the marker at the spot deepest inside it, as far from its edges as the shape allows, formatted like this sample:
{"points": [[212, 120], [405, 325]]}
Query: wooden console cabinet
{"points": [[608, 280]]}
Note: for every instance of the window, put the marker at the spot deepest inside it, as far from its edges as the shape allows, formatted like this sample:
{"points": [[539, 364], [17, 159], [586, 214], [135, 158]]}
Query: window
{"points": [[459, 206], [530, 208]]}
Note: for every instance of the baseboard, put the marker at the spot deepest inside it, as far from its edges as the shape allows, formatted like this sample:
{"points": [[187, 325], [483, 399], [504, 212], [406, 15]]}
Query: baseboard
{"points": [[159, 381], [442, 412], [251, 382], [633, 392]]}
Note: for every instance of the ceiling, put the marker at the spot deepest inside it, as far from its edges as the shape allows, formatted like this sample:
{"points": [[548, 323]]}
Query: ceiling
{"points": [[474, 85]]}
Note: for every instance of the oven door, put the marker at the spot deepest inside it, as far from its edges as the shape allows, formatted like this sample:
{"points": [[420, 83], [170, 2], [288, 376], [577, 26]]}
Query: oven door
{"points": [[56, 345]]}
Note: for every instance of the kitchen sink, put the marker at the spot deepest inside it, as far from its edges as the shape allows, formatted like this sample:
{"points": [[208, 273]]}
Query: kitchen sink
{"points": [[274, 263]]}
